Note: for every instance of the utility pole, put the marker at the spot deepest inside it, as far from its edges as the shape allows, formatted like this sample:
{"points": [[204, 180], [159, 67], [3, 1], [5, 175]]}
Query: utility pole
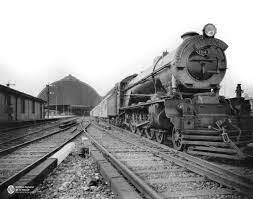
{"points": [[48, 100], [55, 95], [56, 104]]}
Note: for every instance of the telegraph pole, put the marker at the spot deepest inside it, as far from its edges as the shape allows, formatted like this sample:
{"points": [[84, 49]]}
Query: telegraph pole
{"points": [[48, 100]]}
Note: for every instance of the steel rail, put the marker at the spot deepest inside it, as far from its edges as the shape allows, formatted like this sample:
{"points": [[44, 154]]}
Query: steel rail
{"points": [[226, 180], [32, 133], [211, 166], [32, 123], [131, 176], [24, 171], [13, 148]]}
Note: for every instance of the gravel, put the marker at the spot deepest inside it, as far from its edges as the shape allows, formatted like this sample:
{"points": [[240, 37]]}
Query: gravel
{"points": [[168, 175], [186, 186], [76, 177]]}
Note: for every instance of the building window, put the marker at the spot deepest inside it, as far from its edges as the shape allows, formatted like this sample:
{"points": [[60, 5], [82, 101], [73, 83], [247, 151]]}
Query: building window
{"points": [[5, 104], [22, 105], [33, 106]]}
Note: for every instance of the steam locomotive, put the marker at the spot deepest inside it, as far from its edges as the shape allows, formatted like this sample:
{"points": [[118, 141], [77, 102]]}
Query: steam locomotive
{"points": [[177, 101]]}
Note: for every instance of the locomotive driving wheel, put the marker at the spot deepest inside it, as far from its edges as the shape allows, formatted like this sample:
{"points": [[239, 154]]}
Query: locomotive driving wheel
{"points": [[140, 131], [133, 128], [177, 139], [160, 136], [150, 133]]}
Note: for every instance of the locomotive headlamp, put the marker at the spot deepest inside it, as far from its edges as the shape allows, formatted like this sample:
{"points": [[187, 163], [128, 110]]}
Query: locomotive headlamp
{"points": [[209, 30]]}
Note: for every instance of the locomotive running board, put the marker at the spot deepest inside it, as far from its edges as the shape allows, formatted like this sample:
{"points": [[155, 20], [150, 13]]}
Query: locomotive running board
{"points": [[141, 105]]}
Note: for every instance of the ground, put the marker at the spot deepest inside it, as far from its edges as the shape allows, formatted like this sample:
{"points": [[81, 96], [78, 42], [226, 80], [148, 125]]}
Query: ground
{"points": [[76, 177]]}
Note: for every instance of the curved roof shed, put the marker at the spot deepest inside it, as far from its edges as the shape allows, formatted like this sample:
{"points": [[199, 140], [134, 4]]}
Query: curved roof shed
{"points": [[71, 91]]}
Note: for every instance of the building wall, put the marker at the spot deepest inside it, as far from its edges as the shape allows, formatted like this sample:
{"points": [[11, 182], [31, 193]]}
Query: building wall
{"points": [[13, 111], [251, 105], [28, 114], [3, 113]]}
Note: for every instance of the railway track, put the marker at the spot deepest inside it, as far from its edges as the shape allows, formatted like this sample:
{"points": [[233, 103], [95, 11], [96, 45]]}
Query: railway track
{"points": [[240, 172], [243, 169], [17, 160], [229, 170], [160, 172], [22, 134], [9, 140], [26, 124]]}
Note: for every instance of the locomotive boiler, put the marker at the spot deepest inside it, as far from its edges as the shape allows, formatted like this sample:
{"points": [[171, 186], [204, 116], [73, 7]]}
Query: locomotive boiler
{"points": [[177, 100]]}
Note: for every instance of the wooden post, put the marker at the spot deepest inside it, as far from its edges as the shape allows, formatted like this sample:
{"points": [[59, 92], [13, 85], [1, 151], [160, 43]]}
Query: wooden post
{"points": [[48, 100]]}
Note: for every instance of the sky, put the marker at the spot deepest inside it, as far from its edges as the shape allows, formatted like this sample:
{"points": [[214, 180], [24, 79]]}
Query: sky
{"points": [[101, 42]]}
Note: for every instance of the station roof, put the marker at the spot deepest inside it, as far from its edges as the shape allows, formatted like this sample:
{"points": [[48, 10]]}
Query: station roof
{"points": [[9, 90], [71, 91]]}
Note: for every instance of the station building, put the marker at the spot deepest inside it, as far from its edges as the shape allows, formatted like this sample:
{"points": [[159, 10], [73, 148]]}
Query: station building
{"points": [[69, 96], [19, 106]]}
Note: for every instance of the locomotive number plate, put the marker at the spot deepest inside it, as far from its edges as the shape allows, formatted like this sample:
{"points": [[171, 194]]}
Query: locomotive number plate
{"points": [[202, 52]]}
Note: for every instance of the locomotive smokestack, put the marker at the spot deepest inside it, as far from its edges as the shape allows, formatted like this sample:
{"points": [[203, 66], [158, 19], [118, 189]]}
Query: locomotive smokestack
{"points": [[239, 91], [188, 35]]}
